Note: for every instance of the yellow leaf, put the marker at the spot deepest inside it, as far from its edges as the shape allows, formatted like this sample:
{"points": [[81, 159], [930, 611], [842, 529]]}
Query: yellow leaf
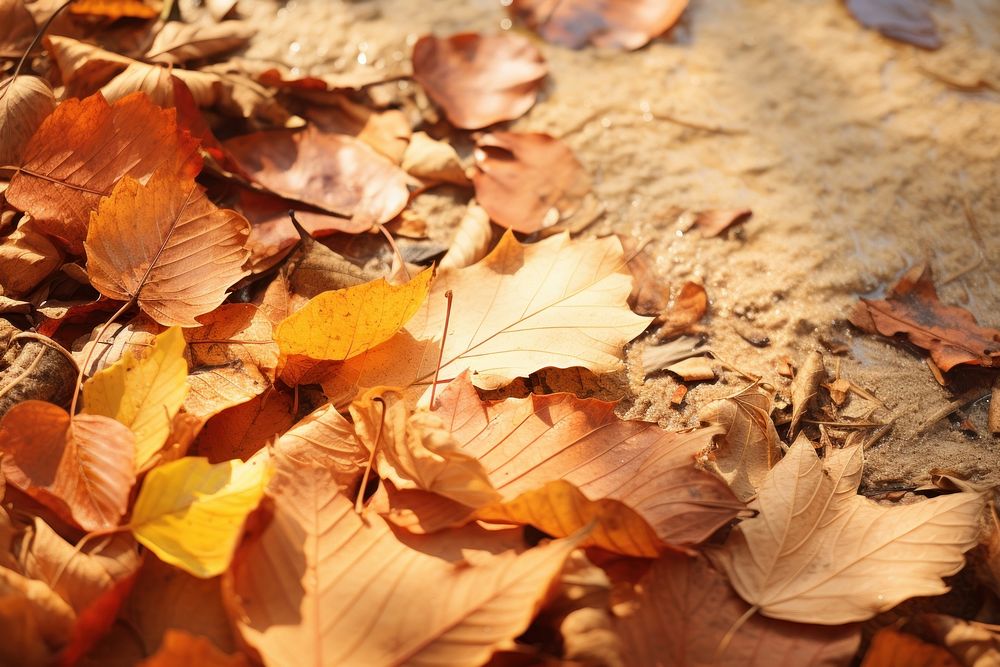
{"points": [[190, 513], [144, 394], [340, 324]]}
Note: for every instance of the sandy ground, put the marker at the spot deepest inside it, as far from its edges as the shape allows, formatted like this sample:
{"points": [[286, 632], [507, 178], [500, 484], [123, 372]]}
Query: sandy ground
{"points": [[856, 154]]}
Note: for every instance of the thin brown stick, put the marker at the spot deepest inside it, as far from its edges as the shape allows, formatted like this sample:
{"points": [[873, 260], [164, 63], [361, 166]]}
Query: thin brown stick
{"points": [[395, 248], [358, 506], [34, 43], [444, 337], [970, 396]]}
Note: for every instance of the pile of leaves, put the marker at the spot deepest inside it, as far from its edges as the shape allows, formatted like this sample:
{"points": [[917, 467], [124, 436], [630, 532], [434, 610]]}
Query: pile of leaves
{"points": [[232, 435]]}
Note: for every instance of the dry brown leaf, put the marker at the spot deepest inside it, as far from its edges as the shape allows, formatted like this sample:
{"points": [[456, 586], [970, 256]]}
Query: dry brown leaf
{"points": [[27, 257], [84, 148], [974, 644], [16, 28], [804, 388], [694, 369], [238, 432], [333, 172], [903, 20], [83, 468], [479, 79], [368, 604], [892, 648], [650, 293], [687, 309], [818, 553], [528, 181], [682, 609], [416, 450], [181, 649], [472, 239], [838, 389], [750, 446], [558, 303], [35, 369], [614, 24], [525, 443], [166, 247], [433, 161], [156, 82], [34, 622], [715, 221], [178, 42], [232, 357], [950, 333], [25, 102], [388, 132], [324, 437]]}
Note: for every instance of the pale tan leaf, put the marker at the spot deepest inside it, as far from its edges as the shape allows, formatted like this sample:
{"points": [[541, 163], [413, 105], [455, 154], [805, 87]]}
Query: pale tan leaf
{"points": [[324, 437], [557, 303], [27, 257], [819, 553], [472, 239], [165, 246], [179, 42], [431, 160], [750, 446], [804, 388], [321, 585], [24, 103]]}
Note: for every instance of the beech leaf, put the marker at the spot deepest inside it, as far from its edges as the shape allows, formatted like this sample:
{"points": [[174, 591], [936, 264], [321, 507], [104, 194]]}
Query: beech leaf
{"points": [[84, 148], [190, 513], [950, 333], [25, 102], [479, 79], [616, 24], [360, 596], [143, 394], [819, 553], [341, 324], [83, 468], [165, 246], [558, 302], [325, 437]]}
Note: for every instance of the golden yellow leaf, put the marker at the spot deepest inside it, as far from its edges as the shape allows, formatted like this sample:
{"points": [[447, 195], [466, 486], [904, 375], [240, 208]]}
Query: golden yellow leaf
{"points": [[343, 323], [819, 553], [190, 513], [144, 394], [558, 302]]}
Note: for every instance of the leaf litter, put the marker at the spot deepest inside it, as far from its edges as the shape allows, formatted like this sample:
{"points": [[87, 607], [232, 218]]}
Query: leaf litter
{"points": [[274, 432]]}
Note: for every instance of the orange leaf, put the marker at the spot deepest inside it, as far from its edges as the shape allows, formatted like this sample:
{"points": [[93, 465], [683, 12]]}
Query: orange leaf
{"points": [[324, 437], [86, 146], [114, 9], [82, 468], [239, 431], [321, 585], [682, 610], [891, 648], [616, 24], [333, 172], [167, 247], [528, 181], [950, 333], [479, 79]]}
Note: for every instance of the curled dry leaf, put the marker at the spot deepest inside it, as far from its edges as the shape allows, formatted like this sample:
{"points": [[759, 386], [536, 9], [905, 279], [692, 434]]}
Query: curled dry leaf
{"points": [[682, 609], [143, 394], [804, 388], [687, 309], [659, 357], [433, 161], [817, 552], [714, 222], [903, 20], [615, 24], [650, 293], [190, 513], [84, 148], [479, 79], [528, 181], [950, 333], [368, 604], [344, 323], [232, 357], [557, 303], [179, 42], [694, 369], [890, 647], [166, 247], [750, 445], [82, 468], [27, 257], [333, 172], [472, 239], [417, 451], [25, 101]]}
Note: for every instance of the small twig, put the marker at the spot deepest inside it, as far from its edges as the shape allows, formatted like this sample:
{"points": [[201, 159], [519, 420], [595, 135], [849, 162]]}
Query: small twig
{"points": [[970, 396], [877, 435], [358, 506], [444, 337], [845, 424], [729, 367], [90, 354]]}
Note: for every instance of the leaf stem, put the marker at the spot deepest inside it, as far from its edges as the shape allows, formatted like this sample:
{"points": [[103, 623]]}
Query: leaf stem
{"points": [[731, 632], [444, 337], [90, 355], [358, 507], [34, 43]]}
